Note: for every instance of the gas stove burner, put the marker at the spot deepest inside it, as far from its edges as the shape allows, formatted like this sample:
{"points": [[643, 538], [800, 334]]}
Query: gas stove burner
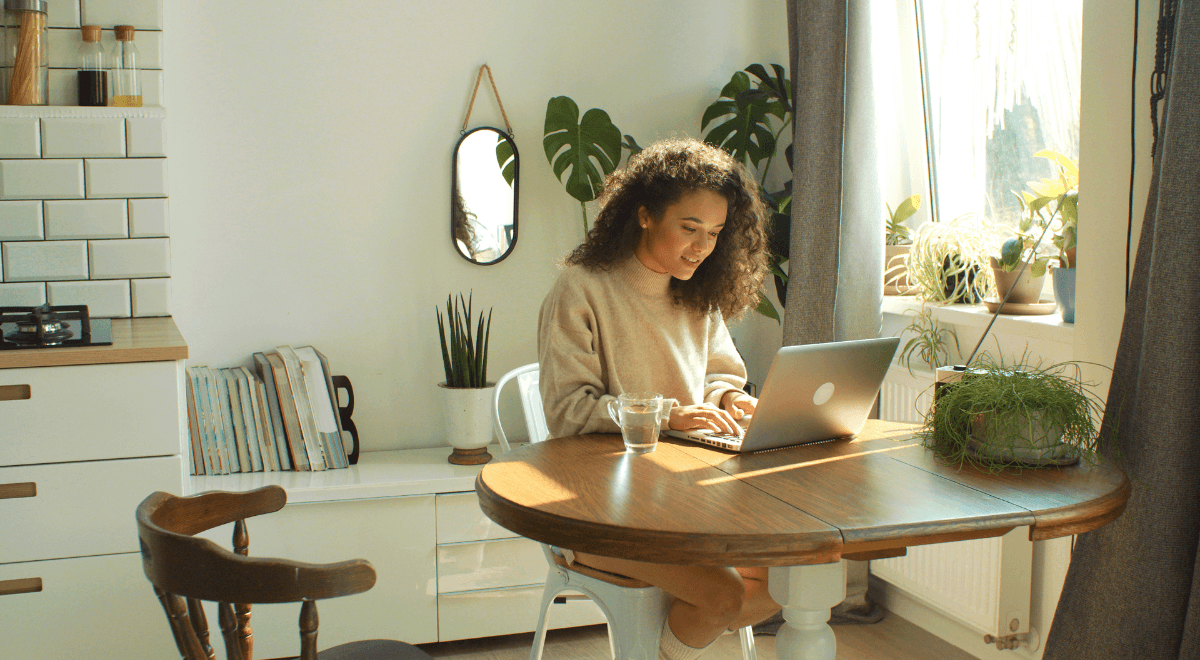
{"points": [[47, 326]]}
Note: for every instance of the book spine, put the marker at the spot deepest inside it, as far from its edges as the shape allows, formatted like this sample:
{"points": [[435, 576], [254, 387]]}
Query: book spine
{"points": [[243, 391], [220, 447], [263, 366], [270, 451], [194, 427], [308, 427], [255, 419], [287, 407], [233, 404]]}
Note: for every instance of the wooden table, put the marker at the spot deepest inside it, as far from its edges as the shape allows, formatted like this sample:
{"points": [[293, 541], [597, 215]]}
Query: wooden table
{"points": [[801, 509]]}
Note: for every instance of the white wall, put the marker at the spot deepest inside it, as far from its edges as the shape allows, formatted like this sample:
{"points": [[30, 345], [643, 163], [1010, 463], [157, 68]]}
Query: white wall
{"points": [[310, 163]]}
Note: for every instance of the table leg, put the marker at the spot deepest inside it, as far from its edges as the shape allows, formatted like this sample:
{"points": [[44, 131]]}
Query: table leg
{"points": [[807, 594]]}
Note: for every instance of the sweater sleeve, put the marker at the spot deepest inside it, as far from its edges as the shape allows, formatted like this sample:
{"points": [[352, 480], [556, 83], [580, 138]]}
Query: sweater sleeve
{"points": [[726, 370], [574, 396]]}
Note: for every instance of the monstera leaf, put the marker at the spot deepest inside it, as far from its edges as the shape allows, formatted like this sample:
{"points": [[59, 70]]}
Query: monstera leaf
{"points": [[506, 159], [580, 146], [746, 133], [776, 89]]}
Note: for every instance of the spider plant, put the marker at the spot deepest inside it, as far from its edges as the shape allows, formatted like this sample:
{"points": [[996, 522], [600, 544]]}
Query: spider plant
{"points": [[948, 261], [464, 356], [928, 341]]}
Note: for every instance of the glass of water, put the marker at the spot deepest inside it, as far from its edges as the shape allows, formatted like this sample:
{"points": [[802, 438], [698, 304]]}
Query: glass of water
{"points": [[637, 413]]}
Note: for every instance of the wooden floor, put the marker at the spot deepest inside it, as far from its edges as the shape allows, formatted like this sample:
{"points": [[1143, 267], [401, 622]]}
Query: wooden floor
{"points": [[890, 639]]}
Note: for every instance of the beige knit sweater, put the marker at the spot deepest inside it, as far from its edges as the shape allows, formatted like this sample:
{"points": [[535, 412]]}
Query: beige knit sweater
{"points": [[601, 333]]}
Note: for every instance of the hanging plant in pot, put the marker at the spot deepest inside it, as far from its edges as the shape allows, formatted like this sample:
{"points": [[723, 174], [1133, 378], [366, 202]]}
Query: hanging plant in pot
{"points": [[899, 242], [947, 261], [1017, 415], [466, 392]]}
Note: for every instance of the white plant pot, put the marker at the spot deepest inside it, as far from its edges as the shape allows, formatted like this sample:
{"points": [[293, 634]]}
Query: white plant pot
{"points": [[468, 412]]}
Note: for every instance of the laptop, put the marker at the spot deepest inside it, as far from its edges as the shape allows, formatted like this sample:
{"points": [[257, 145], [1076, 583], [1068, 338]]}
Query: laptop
{"points": [[812, 393]]}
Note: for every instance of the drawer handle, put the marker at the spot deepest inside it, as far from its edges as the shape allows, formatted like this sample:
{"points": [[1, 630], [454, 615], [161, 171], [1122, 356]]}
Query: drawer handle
{"points": [[14, 392], [21, 586], [13, 491]]}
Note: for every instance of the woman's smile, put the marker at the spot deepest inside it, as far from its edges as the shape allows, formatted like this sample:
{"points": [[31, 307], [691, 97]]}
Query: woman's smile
{"points": [[683, 237]]}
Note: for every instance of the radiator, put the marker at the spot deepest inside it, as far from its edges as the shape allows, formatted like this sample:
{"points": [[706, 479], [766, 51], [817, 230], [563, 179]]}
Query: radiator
{"points": [[986, 583]]}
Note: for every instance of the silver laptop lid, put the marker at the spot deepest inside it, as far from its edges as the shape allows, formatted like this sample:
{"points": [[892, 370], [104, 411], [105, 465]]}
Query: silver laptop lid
{"points": [[819, 392]]}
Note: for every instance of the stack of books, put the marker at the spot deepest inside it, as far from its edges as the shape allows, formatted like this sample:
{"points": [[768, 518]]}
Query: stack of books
{"points": [[280, 416]]}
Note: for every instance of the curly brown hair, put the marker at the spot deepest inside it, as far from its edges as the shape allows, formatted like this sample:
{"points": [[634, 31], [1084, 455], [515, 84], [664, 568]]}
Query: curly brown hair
{"points": [[730, 278]]}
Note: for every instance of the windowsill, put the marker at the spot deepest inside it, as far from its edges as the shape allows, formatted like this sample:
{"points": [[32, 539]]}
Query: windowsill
{"points": [[1047, 326], [79, 112]]}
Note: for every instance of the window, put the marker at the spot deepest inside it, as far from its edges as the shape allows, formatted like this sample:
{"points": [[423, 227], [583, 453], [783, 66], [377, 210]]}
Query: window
{"points": [[1001, 82]]}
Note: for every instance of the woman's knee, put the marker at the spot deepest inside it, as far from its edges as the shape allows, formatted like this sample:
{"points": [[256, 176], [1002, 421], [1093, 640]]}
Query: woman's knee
{"points": [[723, 598]]}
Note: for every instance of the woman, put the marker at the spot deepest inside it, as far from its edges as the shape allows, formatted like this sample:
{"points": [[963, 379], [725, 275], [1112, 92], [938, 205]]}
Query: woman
{"points": [[679, 244]]}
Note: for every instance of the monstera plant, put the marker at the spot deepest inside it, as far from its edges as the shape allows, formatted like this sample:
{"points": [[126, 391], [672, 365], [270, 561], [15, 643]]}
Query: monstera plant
{"points": [[747, 120]]}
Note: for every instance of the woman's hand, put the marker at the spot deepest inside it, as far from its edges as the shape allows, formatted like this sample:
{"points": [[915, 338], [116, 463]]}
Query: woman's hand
{"points": [[738, 404], [703, 416]]}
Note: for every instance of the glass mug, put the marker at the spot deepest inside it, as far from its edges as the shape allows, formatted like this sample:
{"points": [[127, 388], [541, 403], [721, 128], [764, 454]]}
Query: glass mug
{"points": [[637, 413]]}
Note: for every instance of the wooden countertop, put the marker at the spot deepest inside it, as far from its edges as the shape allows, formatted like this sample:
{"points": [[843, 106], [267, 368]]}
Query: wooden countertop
{"points": [[134, 340]]}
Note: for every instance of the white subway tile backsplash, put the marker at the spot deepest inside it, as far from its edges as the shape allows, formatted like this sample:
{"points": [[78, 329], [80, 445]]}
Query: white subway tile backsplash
{"points": [[41, 261], [93, 218], [142, 14], [75, 138], [23, 294], [103, 299], [19, 138], [152, 297], [41, 179], [134, 257], [145, 137], [126, 177], [148, 217], [21, 221], [64, 46], [62, 13]]}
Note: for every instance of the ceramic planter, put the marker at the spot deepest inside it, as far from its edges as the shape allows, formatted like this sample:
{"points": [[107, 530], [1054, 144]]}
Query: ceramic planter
{"points": [[1026, 289], [1032, 443], [1064, 293], [468, 413], [895, 270]]}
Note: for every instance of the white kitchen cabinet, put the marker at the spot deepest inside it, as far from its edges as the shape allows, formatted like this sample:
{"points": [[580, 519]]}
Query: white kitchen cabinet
{"points": [[88, 434]]}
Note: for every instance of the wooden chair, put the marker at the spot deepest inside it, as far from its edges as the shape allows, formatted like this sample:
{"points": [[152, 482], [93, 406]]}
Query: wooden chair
{"points": [[186, 570]]}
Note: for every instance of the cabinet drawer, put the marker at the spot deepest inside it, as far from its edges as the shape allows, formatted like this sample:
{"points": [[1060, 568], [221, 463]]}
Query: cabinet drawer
{"points": [[490, 564], [459, 518], [394, 534], [79, 508], [506, 612], [93, 607], [91, 412]]}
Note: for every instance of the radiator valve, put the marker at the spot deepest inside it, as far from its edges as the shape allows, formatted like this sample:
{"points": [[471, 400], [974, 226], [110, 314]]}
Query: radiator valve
{"points": [[1030, 640]]}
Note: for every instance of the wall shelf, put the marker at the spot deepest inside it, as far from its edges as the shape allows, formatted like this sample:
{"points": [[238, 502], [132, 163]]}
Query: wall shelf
{"points": [[1048, 327], [79, 112]]}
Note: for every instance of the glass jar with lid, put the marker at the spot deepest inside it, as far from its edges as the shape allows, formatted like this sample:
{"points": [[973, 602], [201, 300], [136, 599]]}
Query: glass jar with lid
{"points": [[26, 53], [92, 78], [126, 86]]}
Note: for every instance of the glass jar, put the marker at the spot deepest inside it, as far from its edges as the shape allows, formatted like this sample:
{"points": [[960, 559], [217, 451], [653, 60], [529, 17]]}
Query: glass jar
{"points": [[126, 86], [26, 53], [92, 78]]}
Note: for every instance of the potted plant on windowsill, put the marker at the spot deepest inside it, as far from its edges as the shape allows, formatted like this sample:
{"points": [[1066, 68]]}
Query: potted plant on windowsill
{"points": [[1053, 204], [467, 394], [1021, 415], [899, 241], [947, 261]]}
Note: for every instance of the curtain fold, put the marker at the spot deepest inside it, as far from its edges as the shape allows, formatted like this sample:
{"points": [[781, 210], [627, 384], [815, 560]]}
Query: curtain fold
{"points": [[837, 175], [1133, 587]]}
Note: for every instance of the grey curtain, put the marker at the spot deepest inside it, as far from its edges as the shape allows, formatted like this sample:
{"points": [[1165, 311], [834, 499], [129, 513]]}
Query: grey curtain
{"points": [[837, 206], [1133, 588]]}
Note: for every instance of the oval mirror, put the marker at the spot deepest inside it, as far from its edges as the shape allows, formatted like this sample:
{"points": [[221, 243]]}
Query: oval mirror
{"points": [[483, 196]]}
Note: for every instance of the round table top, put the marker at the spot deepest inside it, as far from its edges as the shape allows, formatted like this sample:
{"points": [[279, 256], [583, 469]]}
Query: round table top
{"points": [[861, 498]]}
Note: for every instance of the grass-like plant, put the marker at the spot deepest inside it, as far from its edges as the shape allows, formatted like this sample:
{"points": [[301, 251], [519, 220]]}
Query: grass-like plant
{"points": [[464, 356], [929, 341], [948, 261], [999, 414]]}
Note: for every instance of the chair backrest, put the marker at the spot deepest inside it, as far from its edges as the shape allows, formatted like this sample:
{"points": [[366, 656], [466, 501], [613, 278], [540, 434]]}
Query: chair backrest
{"points": [[186, 570], [531, 402]]}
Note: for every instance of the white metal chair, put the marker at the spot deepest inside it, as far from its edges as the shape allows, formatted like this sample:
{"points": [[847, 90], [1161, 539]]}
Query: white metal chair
{"points": [[635, 610]]}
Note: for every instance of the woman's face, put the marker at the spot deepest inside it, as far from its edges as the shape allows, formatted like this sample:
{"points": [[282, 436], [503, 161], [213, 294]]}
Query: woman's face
{"points": [[684, 236]]}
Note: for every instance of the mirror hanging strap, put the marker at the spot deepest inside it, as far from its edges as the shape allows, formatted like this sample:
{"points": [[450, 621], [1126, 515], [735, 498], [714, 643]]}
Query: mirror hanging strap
{"points": [[494, 91]]}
